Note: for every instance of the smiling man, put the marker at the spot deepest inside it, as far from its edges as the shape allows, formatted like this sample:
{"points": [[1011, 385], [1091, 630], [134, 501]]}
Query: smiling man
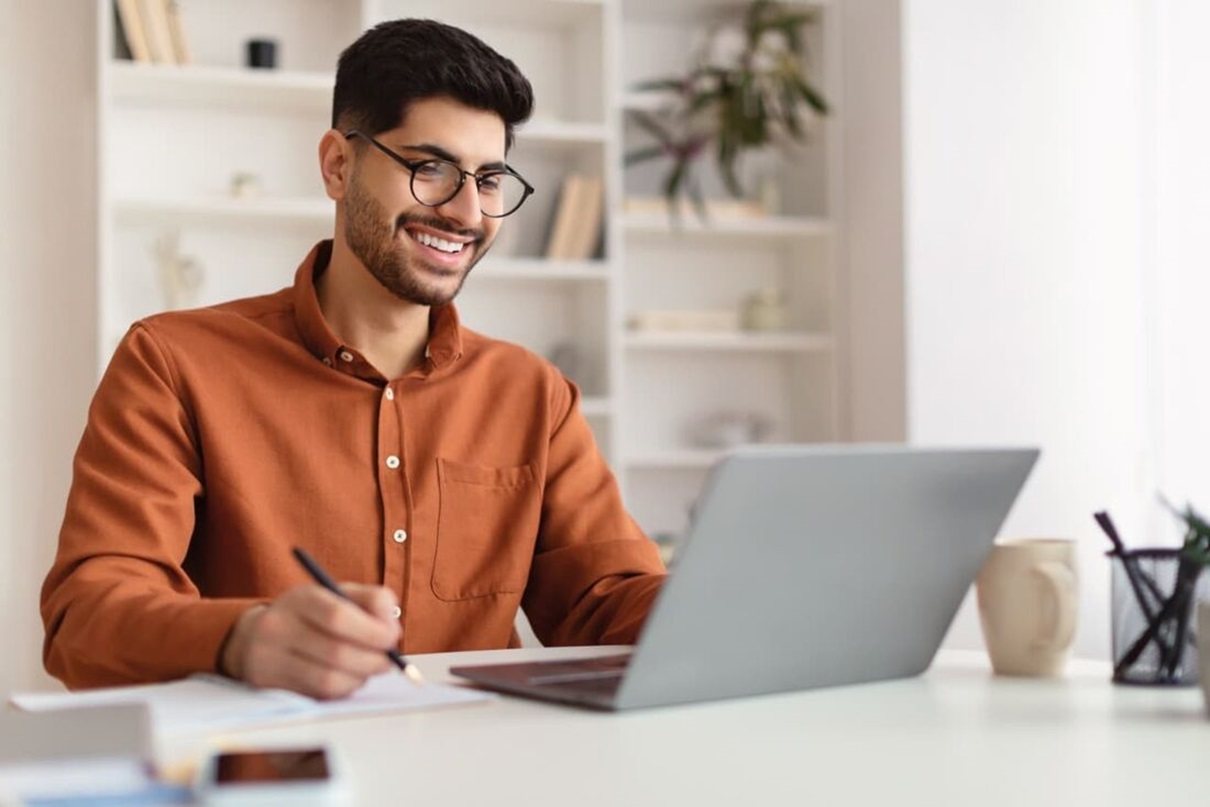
{"points": [[449, 478]]}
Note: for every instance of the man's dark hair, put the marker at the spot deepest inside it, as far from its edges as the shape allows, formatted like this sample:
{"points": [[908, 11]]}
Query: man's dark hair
{"points": [[401, 61]]}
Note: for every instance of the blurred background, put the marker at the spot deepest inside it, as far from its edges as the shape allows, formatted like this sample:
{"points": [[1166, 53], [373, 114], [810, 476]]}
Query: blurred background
{"points": [[995, 237]]}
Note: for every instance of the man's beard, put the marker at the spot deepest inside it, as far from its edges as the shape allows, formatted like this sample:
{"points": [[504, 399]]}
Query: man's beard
{"points": [[378, 248]]}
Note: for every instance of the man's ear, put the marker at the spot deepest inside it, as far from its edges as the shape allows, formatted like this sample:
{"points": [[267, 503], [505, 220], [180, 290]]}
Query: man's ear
{"points": [[335, 163]]}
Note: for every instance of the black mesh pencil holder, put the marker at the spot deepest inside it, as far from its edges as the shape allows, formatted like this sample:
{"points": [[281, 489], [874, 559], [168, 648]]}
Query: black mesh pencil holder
{"points": [[1154, 594]]}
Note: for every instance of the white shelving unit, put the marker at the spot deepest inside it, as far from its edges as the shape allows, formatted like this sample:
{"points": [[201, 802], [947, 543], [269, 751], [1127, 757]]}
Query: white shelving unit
{"points": [[171, 139]]}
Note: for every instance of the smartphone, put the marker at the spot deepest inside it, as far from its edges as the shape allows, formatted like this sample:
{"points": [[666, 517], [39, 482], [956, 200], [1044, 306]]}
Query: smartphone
{"points": [[266, 776]]}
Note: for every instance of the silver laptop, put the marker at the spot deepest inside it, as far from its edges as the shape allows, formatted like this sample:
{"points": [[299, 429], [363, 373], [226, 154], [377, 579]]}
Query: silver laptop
{"points": [[805, 566]]}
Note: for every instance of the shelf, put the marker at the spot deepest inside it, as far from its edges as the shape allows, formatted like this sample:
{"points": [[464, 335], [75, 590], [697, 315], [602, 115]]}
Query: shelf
{"points": [[231, 87], [502, 268], [746, 341], [527, 14], [225, 209], [648, 100], [546, 132], [779, 227], [681, 10], [692, 459], [285, 91]]}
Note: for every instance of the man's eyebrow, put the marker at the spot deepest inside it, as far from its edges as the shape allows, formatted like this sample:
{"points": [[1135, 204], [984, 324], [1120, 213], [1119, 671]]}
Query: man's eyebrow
{"points": [[443, 154]]}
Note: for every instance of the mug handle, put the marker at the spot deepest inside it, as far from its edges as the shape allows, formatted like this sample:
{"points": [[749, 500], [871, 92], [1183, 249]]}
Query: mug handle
{"points": [[1061, 583]]}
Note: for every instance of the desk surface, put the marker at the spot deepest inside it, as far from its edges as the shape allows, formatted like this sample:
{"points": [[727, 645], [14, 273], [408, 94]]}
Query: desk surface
{"points": [[956, 735]]}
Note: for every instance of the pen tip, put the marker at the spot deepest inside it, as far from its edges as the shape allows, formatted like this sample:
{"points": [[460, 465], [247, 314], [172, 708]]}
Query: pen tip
{"points": [[413, 674]]}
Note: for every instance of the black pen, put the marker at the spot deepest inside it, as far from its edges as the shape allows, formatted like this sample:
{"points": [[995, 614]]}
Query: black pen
{"points": [[322, 578]]}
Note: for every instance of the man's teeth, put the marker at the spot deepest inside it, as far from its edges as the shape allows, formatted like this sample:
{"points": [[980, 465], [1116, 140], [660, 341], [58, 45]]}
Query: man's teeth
{"points": [[438, 243]]}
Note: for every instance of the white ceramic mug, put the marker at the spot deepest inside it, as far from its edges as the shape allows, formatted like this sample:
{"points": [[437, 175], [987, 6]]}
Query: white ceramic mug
{"points": [[1028, 605]]}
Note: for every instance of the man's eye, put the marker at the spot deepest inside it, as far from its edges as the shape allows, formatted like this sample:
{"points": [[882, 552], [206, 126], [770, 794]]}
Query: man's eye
{"points": [[489, 183], [429, 170]]}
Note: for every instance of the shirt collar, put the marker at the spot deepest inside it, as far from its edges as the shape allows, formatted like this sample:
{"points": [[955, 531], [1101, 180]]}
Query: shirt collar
{"points": [[445, 330]]}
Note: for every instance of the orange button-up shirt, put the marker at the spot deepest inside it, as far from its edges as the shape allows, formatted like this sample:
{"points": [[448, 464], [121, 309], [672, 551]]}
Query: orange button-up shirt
{"points": [[220, 438]]}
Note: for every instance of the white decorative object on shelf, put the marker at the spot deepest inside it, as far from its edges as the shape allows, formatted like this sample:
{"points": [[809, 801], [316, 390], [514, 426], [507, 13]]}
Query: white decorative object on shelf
{"points": [[723, 430], [180, 276], [765, 310], [245, 185]]}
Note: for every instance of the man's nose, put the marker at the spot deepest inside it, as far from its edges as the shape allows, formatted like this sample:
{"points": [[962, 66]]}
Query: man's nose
{"points": [[464, 206]]}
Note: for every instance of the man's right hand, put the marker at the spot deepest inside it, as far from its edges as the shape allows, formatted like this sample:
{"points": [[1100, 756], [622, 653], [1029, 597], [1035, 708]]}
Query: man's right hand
{"points": [[309, 640]]}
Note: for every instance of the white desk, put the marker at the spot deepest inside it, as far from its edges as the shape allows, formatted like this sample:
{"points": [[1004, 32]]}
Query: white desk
{"points": [[955, 736]]}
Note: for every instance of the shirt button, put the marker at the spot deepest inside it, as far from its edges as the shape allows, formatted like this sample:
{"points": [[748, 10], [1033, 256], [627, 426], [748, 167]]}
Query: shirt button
{"points": [[390, 393], [400, 536], [397, 612], [346, 355], [392, 462]]}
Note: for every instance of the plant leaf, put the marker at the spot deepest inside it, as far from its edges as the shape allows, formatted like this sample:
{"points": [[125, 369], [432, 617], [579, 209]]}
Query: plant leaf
{"points": [[673, 84], [644, 154], [789, 112], [811, 95], [653, 127]]}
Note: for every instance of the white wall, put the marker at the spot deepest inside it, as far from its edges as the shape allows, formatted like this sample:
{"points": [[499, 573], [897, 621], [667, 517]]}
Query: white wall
{"points": [[46, 298], [1026, 209], [1181, 378]]}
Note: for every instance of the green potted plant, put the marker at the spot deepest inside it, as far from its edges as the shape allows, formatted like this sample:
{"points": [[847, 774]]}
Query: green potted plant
{"points": [[732, 101]]}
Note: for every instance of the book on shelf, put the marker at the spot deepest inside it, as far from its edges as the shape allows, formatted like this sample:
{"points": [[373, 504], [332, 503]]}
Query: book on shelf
{"points": [[562, 228], [721, 320], [575, 229], [587, 233], [176, 32], [132, 33], [159, 34]]}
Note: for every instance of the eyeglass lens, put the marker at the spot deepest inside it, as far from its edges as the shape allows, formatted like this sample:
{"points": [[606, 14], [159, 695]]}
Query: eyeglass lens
{"points": [[435, 182]]}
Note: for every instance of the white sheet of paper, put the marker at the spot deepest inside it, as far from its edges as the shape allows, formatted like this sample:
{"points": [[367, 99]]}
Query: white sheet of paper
{"points": [[209, 703]]}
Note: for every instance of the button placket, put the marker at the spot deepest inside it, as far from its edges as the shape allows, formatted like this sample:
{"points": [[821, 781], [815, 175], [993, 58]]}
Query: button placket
{"points": [[394, 493]]}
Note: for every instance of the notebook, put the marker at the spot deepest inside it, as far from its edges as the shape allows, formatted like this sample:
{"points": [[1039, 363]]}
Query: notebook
{"points": [[102, 754], [805, 566]]}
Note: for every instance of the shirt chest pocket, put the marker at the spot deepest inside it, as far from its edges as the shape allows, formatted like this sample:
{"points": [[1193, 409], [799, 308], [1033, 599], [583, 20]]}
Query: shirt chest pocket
{"points": [[486, 529]]}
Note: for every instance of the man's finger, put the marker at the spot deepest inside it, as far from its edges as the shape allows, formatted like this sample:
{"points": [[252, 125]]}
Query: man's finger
{"points": [[345, 620], [376, 600]]}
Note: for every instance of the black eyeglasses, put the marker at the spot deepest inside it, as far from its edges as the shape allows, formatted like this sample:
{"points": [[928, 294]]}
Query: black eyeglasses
{"points": [[435, 181]]}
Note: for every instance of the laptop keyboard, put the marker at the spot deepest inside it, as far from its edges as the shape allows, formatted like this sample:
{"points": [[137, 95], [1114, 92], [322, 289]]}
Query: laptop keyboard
{"points": [[602, 668]]}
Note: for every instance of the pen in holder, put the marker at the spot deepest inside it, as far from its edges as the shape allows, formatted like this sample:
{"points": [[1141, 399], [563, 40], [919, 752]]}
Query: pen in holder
{"points": [[1154, 593], [1153, 596]]}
